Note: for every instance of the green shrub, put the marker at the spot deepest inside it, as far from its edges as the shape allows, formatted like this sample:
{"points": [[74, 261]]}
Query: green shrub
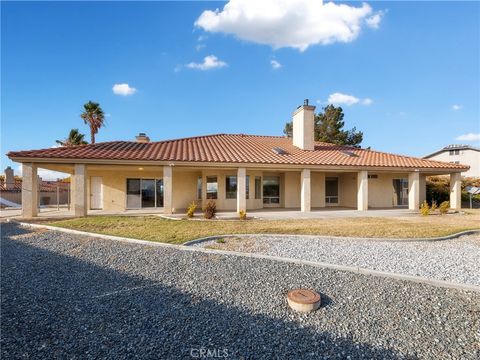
{"points": [[425, 209], [444, 206], [210, 209], [242, 214], [220, 241], [191, 209]]}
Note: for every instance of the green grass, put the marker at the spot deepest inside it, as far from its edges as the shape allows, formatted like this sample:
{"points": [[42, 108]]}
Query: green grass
{"points": [[179, 231]]}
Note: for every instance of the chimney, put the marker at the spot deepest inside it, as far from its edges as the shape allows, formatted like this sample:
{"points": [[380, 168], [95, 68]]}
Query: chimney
{"points": [[303, 126], [9, 178], [142, 138]]}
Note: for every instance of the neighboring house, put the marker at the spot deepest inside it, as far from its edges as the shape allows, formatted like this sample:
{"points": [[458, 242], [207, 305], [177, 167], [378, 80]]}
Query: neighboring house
{"points": [[11, 191], [239, 172], [460, 154]]}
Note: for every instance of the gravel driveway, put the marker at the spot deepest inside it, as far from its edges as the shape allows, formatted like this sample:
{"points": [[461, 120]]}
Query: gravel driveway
{"points": [[455, 260], [68, 296]]}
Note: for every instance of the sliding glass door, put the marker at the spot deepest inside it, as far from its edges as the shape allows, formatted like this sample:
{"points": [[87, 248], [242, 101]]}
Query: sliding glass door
{"points": [[148, 193], [144, 193]]}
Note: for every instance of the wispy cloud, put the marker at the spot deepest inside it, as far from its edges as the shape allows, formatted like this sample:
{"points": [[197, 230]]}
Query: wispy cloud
{"points": [[349, 100], [123, 89], [468, 137], [209, 62], [457, 107], [374, 20], [275, 64], [295, 23]]}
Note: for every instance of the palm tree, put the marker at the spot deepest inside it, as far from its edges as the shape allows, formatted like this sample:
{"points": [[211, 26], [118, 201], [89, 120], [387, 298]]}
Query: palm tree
{"points": [[94, 117], [74, 138]]}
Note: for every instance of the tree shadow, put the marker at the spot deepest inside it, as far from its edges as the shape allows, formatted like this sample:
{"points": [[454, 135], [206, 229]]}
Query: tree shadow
{"points": [[58, 306]]}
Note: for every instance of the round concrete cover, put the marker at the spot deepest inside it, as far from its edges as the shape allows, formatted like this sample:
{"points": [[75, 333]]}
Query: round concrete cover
{"points": [[303, 300]]}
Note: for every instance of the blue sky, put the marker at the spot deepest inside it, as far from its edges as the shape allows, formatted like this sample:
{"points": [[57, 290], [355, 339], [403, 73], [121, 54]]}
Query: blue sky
{"points": [[406, 73]]}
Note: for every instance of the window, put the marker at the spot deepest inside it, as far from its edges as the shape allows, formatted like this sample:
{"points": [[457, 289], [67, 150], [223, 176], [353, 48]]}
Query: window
{"points": [[212, 187], [144, 193], [271, 190], [160, 193], [373, 176], [331, 190], [199, 188], [231, 187], [454, 152], [247, 186], [258, 187]]}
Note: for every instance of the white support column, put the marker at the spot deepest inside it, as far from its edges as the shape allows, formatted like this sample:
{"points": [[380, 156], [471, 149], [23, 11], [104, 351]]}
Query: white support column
{"points": [[362, 191], [167, 189], [29, 190], [241, 190], [80, 190], [456, 191], [414, 191], [305, 194]]}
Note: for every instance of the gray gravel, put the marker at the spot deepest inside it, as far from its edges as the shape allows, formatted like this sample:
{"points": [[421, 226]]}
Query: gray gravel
{"points": [[67, 296], [455, 260]]}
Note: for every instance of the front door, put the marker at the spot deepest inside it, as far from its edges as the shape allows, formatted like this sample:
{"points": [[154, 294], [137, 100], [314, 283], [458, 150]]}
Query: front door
{"points": [[271, 191], [96, 192]]}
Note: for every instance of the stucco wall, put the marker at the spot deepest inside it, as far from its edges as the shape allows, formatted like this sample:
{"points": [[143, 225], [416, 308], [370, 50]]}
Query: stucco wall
{"points": [[380, 194], [317, 184], [291, 191]]}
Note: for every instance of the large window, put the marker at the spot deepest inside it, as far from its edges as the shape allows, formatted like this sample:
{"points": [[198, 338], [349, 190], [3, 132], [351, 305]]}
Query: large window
{"points": [[247, 187], [271, 190], [258, 187], [331, 190], [231, 187], [144, 193], [212, 187]]}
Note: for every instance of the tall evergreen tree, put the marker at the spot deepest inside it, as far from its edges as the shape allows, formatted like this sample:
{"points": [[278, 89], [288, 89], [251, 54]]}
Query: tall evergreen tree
{"points": [[329, 126]]}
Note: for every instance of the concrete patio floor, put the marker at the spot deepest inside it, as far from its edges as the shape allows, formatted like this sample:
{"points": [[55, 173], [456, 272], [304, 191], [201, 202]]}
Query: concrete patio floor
{"points": [[262, 214]]}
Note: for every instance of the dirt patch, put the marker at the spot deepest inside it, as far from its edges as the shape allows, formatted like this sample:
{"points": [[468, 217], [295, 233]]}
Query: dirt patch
{"points": [[238, 243]]}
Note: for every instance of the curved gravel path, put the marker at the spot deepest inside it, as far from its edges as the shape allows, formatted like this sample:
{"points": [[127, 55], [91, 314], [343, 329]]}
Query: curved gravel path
{"points": [[71, 296], [456, 260]]}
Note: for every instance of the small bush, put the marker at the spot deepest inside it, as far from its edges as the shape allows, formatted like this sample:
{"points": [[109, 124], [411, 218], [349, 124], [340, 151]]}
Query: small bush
{"points": [[220, 241], [191, 209], [242, 214], [444, 206], [210, 210], [425, 209], [434, 206]]}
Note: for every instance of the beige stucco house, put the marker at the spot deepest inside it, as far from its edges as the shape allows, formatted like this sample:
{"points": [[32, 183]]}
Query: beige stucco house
{"points": [[239, 172], [459, 154]]}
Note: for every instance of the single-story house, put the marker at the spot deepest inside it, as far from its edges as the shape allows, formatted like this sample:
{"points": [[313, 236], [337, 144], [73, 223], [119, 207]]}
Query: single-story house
{"points": [[237, 171]]}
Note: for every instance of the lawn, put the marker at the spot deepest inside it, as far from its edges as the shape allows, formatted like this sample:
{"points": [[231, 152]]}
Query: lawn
{"points": [[179, 231]]}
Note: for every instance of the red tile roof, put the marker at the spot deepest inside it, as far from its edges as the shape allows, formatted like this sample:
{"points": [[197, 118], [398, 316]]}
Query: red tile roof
{"points": [[45, 186], [236, 148]]}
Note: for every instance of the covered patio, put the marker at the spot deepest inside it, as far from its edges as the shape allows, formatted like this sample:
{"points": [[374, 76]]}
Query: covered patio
{"points": [[264, 192]]}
